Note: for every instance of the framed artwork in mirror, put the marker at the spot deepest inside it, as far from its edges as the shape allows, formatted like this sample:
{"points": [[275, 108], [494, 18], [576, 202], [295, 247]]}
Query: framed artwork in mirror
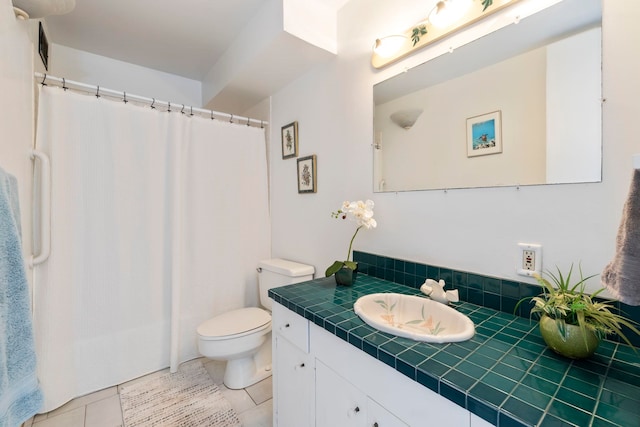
{"points": [[307, 172], [484, 134], [290, 140]]}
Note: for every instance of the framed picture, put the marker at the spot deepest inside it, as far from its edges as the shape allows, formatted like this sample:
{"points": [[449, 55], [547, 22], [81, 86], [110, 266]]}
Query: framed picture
{"points": [[484, 134], [290, 140], [307, 171], [43, 46]]}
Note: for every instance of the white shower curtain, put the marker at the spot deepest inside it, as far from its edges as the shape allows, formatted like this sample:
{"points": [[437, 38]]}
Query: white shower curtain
{"points": [[143, 202]]}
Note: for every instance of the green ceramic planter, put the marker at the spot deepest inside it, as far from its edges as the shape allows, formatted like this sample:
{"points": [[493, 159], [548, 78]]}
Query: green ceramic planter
{"points": [[346, 276], [573, 344]]}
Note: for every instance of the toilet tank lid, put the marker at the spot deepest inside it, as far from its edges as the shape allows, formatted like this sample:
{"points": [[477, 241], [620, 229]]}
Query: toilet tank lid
{"points": [[286, 267]]}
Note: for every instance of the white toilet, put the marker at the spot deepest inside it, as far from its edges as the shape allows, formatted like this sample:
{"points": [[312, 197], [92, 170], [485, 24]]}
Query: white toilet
{"points": [[243, 337]]}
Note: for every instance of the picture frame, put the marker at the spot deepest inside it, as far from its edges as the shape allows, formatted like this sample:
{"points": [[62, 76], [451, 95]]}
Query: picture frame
{"points": [[484, 134], [307, 174], [43, 46], [290, 140]]}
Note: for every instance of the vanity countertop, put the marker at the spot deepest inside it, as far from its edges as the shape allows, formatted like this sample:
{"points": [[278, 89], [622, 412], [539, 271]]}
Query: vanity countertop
{"points": [[505, 374]]}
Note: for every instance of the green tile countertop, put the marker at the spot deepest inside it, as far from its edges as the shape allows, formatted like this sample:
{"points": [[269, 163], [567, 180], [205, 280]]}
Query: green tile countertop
{"points": [[505, 374]]}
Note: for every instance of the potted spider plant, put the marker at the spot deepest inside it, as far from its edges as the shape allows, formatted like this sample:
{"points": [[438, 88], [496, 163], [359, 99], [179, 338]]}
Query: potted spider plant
{"points": [[571, 322]]}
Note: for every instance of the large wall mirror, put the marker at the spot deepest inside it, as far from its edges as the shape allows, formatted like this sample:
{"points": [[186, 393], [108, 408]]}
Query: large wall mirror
{"points": [[519, 106]]}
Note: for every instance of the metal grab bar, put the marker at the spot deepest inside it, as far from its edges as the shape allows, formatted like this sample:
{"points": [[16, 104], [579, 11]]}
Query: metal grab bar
{"points": [[45, 208]]}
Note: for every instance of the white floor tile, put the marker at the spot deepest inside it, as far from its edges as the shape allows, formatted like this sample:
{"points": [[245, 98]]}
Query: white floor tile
{"points": [[73, 418], [104, 413], [260, 416], [262, 391], [239, 399], [102, 409], [83, 401]]}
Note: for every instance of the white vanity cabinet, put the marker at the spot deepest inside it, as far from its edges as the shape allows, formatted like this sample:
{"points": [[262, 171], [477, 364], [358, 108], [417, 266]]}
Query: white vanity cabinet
{"points": [[294, 385], [338, 402], [476, 421], [348, 387], [378, 416]]}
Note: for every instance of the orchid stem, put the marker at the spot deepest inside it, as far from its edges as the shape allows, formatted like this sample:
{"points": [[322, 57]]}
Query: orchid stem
{"points": [[351, 243]]}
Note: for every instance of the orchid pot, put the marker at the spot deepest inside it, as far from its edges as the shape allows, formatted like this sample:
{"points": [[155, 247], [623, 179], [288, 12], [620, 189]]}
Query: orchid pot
{"points": [[345, 272]]}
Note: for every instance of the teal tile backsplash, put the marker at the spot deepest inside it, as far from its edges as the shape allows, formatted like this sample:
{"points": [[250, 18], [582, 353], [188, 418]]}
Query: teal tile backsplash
{"points": [[498, 294]]}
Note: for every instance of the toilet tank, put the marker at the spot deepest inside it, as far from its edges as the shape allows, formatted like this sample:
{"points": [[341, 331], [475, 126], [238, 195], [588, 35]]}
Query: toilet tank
{"points": [[279, 272]]}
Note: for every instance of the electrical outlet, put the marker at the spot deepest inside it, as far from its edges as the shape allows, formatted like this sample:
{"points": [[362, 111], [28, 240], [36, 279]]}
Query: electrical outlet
{"points": [[529, 259]]}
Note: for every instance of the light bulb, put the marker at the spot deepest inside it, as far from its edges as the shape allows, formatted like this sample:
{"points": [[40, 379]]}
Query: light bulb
{"points": [[446, 12], [389, 45]]}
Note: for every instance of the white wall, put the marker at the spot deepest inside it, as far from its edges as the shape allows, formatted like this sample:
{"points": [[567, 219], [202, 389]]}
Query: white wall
{"points": [[476, 229], [109, 73]]}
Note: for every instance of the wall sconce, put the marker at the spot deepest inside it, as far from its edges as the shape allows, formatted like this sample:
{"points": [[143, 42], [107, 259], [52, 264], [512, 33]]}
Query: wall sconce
{"points": [[447, 17], [406, 118]]}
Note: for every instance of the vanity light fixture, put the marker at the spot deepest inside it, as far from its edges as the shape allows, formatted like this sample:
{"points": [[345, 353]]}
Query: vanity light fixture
{"points": [[406, 118], [447, 12], [447, 17], [389, 45]]}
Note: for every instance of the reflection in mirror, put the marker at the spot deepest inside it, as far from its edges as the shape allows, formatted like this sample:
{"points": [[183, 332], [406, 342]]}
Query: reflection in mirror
{"points": [[543, 79]]}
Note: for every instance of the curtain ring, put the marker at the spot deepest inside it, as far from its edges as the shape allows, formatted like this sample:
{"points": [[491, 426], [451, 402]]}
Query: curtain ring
{"points": [[261, 124], [191, 113], [97, 91], [248, 121], [182, 111], [64, 84], [125, 97], [169, 109], [43, 80], [231, 119], [212, 115]]}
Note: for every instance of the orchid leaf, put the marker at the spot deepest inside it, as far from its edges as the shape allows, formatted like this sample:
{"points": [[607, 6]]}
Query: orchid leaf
{"points": [[333, 268]]}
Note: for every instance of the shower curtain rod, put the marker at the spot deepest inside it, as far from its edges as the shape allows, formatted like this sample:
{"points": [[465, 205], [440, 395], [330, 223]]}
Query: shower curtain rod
{"points": [[126, 97]]}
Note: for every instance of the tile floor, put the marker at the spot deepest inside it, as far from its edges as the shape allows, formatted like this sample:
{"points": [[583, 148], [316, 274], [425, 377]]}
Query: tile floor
{"points": [[102, 408]]}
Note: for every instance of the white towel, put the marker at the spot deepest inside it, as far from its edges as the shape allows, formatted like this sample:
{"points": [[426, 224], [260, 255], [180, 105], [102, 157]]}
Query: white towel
{"points": [[622, 276], [20, 395]]}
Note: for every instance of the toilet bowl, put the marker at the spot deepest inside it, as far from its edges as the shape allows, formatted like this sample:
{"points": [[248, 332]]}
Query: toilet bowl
{"points": [[242, 337]]}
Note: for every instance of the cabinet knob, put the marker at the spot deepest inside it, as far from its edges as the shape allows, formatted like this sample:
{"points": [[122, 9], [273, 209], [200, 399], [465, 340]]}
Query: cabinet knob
{"points": [[299, 366], [353, 412], [287, 325], [375, 424]]}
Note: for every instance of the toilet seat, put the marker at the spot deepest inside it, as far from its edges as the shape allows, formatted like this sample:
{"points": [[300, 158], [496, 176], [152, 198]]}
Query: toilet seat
{"points": [[234, 324]]}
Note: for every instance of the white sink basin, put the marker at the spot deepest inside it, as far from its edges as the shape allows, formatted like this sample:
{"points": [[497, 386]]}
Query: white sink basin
{"points": [[413, 317]]}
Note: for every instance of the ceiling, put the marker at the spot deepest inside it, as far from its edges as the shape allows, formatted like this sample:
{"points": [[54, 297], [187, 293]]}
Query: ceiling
{"points": [[185, 37]]}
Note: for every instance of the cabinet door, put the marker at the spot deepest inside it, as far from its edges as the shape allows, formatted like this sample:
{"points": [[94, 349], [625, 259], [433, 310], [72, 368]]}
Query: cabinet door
{"points": [[294, 385], [377, 416], [338, 402]]}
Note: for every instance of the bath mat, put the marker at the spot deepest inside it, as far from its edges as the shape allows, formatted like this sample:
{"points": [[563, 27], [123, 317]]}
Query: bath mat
{"points": [[187, 398]]}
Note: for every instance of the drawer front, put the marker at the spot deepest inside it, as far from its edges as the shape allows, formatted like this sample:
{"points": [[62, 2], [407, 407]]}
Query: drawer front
{"points": [[291, 326]]}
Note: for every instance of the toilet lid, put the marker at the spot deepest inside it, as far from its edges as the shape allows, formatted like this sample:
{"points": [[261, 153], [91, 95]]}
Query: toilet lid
{"points": [[234, 322]]}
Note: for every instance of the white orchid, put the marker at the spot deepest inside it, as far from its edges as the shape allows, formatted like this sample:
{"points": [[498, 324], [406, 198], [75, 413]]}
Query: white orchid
{"points": [[360, 212]]}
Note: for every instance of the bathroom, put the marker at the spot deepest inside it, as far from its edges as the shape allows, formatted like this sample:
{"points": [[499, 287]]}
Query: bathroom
{"points": [[332, 104]]}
